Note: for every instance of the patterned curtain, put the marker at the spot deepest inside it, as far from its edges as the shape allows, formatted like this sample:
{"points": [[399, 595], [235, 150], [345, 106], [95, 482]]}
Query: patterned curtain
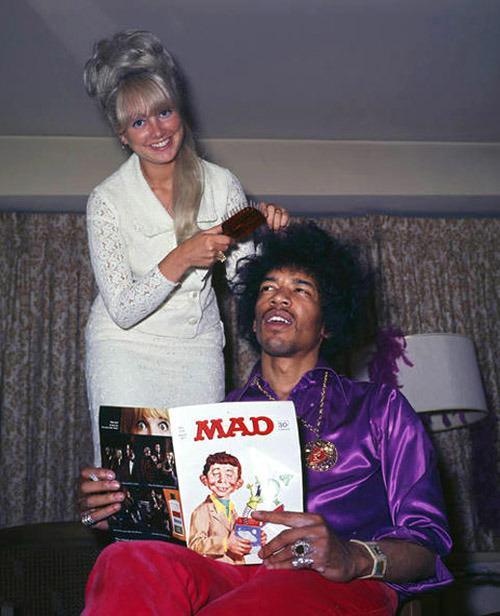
{"points": [[47, 288], [443, 275], [434, 275]]}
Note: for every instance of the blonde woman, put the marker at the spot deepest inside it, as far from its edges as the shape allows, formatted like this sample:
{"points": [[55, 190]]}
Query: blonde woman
{"points": [[154, 336]]}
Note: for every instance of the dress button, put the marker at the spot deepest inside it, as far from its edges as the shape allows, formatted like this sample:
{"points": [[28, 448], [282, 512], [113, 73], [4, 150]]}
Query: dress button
{"points": [[193, 321]]}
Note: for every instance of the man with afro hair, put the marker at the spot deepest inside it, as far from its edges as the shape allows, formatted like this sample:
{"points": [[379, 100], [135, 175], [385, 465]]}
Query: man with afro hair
{"points": [[374, 529]]}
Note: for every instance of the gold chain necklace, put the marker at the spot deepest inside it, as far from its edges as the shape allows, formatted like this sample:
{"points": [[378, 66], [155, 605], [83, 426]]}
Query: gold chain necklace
{"points": [[320, 453]]}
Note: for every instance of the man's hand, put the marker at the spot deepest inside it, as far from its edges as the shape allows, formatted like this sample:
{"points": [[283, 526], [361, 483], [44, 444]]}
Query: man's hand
{"points": [[336, 559], [99, 495]]}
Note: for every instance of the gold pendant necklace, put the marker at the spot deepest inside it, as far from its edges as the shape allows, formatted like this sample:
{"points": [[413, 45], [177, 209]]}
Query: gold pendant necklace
{"points": [[321, 454]]}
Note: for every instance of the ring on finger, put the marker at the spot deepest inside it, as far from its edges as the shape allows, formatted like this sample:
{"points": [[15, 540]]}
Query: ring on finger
{"points": [[301, 562], [301, 548], [221, 256], [87, 519]]}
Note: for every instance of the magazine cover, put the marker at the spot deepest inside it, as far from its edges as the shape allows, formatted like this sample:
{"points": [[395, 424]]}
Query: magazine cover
{"points": [[194, 474], [136, 444], [232, 458]]}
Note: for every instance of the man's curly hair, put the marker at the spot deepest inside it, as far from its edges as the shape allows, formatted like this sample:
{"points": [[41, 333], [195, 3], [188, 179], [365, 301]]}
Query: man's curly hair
{"points": [[336, 267]]}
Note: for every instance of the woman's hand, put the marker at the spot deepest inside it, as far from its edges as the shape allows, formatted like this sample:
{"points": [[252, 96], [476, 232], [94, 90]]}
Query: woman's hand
{"points": [[276, 217], [336, 559], [99, 496], [206, 247], [202, 250]]}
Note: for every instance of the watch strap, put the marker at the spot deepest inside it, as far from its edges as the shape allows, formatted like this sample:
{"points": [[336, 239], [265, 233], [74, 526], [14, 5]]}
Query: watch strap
{"points": [[379, 559]]}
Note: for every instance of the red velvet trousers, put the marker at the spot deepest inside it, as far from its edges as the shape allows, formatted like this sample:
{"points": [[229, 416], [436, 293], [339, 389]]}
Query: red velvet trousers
{"points": [[147, 578]]}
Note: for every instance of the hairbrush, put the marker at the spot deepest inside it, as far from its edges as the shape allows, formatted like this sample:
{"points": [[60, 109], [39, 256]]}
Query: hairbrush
{"points": [[242, 220]]}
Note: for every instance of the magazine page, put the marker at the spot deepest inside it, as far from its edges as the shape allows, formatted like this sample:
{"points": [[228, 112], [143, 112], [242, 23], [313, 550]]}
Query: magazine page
{"points": [[136, 444], [232, 458]]}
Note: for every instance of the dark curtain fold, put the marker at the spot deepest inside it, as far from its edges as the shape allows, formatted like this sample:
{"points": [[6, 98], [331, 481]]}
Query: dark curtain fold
{"points": [[434, 275]]}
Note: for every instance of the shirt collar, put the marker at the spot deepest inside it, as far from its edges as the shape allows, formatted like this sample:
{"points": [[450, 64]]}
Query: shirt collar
{"points": [[311, 377], [220, 507]]}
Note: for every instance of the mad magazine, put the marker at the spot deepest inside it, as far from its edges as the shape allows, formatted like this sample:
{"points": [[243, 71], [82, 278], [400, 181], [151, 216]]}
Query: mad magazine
{"points": [[192, 475]]}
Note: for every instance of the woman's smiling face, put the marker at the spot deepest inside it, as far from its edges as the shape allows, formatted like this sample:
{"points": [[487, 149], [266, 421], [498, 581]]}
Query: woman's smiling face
{"points": [[155, 137]]}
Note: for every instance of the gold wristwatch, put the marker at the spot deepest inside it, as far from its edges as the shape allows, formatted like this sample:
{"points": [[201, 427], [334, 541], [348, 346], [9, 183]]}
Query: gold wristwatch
{"points": [[379, 559]]}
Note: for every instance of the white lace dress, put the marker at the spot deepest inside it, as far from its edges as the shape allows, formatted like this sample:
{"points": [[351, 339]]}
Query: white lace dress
{"points": [[150, 342]]}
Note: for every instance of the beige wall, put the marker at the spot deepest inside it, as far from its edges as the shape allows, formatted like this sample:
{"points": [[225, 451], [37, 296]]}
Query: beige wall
{"points": [[40, 167]]}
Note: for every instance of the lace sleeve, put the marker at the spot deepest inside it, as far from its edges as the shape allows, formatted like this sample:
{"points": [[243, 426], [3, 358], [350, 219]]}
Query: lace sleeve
{"points": [[236, 198], [128, 300]]}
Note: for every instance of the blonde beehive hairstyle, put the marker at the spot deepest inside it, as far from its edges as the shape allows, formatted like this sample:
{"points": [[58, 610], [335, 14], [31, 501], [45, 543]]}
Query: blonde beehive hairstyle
{"points": [[132, 74]]}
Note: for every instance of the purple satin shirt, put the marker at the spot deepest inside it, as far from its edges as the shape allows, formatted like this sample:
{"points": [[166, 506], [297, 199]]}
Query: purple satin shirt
{"points": [[385, 483]]}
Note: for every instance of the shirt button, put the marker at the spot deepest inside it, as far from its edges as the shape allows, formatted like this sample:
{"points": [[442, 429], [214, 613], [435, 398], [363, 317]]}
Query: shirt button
{"points": [[194, 294], [193, 321]]}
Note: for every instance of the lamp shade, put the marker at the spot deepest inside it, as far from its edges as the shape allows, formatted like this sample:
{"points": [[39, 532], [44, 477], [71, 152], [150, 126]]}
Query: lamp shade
{"points": [[442, 381]]}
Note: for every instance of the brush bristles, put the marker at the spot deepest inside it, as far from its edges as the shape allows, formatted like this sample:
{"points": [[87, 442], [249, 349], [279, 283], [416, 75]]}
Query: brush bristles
{"points": [[242, 221]]}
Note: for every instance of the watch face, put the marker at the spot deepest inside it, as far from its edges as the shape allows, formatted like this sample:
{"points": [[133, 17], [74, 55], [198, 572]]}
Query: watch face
{"points": [[380, 564]]}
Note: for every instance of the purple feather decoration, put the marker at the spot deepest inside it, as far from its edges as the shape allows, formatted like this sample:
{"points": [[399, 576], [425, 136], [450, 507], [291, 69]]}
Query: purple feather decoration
{"points": [[390, 346]]}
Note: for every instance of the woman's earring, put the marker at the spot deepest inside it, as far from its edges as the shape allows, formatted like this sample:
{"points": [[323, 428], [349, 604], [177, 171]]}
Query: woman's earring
{"points": [[123, 143]]}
